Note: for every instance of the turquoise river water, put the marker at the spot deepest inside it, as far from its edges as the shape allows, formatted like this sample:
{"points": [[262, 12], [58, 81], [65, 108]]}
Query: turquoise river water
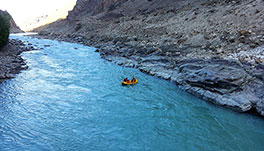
{"points": [[70, 99]]}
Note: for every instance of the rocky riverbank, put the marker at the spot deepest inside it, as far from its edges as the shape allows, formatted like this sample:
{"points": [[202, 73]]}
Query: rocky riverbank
{"points": [[11, 63], [227, 82], [211, 49]]}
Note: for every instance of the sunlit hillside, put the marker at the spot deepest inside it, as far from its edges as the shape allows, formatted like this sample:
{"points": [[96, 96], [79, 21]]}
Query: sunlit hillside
{"points": [[60, 13]]}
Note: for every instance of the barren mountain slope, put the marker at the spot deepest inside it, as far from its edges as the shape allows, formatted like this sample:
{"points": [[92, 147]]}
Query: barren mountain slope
{"points": [[199, 27]]}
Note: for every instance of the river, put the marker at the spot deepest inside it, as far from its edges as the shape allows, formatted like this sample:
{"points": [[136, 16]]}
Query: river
{"points": [[70, 99]]}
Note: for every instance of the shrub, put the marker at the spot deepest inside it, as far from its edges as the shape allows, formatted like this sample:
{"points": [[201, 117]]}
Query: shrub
{"points": [[4, 30]]}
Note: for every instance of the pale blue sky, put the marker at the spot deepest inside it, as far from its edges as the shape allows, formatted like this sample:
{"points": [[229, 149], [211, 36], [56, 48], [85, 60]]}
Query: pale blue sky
{"points": [[23, 10]]}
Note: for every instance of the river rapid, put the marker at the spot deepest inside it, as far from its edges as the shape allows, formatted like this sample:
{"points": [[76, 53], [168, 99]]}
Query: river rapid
{"points": [[70, 99]]}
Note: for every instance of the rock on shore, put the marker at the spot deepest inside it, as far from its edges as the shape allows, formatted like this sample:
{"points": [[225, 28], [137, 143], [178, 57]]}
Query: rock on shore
{"points": [[11, 63]]}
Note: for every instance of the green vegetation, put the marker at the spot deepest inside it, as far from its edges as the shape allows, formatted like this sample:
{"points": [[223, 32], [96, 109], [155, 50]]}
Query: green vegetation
{"points": [[4, 30]]}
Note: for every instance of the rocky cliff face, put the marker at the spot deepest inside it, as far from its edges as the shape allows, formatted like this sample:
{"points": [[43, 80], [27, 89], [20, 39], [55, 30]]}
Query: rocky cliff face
{"points": [[93, 7], [13, 27], [86, 8], [212, 49]]}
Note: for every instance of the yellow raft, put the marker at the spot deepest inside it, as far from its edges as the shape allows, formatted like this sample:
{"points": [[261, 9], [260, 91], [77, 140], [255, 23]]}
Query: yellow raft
{"points": [[129, 83]]}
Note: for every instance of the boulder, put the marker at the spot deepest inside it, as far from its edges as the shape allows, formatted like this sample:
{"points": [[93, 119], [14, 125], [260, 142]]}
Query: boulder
{"points": [[222, 82]]}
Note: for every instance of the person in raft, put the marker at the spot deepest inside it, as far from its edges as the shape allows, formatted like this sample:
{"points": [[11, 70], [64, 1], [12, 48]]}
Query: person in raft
{"points": [[126, 80], [133, 79]]}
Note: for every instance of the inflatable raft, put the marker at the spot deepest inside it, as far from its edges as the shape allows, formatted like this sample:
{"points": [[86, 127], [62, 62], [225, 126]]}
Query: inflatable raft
{"points": [[129, 82]]}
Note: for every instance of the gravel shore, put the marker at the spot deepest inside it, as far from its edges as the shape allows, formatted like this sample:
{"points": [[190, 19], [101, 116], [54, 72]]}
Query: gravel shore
{"points": [[11, 63]]}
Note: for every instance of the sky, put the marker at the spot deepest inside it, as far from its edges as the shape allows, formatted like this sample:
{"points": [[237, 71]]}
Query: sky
{"points": [[23, 10]]}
